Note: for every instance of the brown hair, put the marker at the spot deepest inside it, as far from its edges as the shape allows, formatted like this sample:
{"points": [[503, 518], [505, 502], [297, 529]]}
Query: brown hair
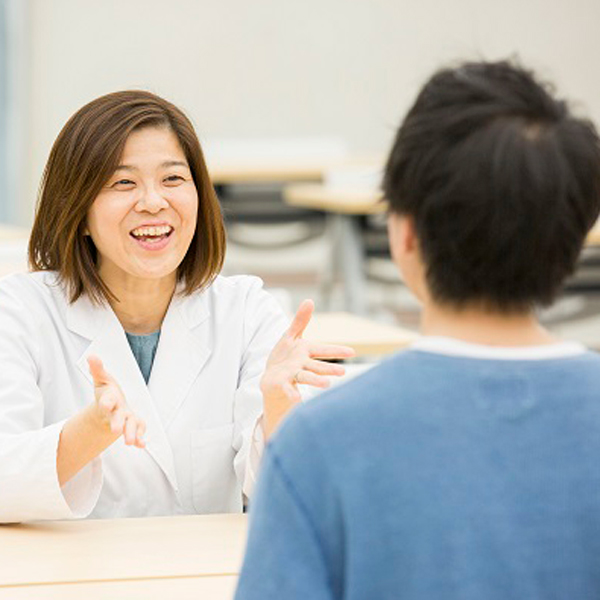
{"points": [[83, 157]]}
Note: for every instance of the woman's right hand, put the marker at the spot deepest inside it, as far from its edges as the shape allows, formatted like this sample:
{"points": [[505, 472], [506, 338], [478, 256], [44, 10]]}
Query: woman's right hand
{"points": [[112, 410]]}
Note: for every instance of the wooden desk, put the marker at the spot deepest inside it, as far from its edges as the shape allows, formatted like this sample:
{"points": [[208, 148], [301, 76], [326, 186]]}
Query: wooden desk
{"points": [[343, 206], [187, 588], [280, 160], [272, 160], [194, 552], [227, 173], [367, 337], [335, 200], [302, 167]]}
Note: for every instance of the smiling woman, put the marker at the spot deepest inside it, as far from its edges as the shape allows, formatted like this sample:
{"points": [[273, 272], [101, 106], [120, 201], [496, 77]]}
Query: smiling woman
{"points": [[126, 335], [92, 160], [143, 220]]}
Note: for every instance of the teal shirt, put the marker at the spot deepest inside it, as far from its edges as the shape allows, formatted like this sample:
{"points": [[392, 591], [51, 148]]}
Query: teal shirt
{"points": [[144, 350]]}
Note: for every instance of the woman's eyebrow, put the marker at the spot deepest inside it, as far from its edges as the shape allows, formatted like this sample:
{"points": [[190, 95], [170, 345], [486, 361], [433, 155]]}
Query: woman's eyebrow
{"points": [[166, 164], [175, 163]]}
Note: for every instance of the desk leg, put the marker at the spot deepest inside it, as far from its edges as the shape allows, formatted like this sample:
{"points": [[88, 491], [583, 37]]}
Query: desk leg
{"points": [[331, 273], [350, 261]]}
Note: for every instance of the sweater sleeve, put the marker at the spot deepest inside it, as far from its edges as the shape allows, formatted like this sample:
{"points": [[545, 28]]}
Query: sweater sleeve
{"points": [[294, 537], [29, 487]]}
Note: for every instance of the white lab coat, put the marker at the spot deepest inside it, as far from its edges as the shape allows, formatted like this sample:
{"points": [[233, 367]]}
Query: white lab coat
{"points": [[201, 404]]}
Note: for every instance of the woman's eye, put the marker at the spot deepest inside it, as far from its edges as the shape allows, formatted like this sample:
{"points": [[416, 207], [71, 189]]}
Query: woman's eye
{"points": [[174, 178], [123, 182]]}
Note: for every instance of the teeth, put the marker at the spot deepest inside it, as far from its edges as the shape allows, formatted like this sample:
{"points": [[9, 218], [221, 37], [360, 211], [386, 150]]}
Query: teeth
{"points": [[151, 231]]}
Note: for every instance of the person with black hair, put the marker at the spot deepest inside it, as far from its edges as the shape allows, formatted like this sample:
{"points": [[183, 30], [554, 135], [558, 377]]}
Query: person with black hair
{"points": [[467, 466]]}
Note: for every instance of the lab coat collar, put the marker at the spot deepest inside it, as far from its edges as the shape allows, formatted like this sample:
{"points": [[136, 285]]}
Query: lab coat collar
{"points": [[87, 319], [186, 341], [183, 350]]}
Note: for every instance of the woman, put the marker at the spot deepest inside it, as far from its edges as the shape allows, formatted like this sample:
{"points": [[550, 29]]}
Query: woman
{"points": [[124, 334]]}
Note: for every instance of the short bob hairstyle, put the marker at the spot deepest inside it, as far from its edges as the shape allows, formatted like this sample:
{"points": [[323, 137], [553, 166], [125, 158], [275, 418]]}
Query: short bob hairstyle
{"points": [[502, 182], [84, 156]]}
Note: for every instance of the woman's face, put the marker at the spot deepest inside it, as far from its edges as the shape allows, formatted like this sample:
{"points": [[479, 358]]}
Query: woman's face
{"points": [[144, 218]]}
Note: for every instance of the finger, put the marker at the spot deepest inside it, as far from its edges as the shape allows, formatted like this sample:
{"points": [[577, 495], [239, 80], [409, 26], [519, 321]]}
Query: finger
{"points": [[141, 430], [324, 368], [117, 421], [330, 351], [108, 402], [291, 392], [308, 378], [99, 374], [130, 429], [302, 318]]}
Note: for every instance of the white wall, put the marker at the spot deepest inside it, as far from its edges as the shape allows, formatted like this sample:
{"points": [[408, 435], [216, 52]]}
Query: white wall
{"points": [[290, 67], [14, 46]]}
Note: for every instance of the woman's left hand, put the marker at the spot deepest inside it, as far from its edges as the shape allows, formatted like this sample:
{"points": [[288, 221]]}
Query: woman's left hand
{"points": [[295, 360]]}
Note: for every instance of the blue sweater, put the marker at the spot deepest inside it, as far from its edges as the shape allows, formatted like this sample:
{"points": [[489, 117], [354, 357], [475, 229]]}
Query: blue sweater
{"points": [[435, 477]]}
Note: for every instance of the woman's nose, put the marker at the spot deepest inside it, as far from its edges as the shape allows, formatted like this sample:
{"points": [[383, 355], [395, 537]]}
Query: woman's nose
{"points": [[151, 201]]}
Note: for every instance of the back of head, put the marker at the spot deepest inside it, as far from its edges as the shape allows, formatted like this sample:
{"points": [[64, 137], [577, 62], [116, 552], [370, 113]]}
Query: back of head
{"points": [[502, 182]]}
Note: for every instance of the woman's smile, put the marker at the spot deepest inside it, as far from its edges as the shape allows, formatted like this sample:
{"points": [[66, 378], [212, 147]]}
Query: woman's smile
{"points": [[153, 237]]}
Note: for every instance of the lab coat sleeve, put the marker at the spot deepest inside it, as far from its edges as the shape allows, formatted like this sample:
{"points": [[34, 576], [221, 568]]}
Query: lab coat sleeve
{"points": [[29, 487], [257, 446], [264, 324]]}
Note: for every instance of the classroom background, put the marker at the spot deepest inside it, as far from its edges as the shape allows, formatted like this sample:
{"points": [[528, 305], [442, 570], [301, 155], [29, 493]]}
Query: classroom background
{"points": [[295, 104]]}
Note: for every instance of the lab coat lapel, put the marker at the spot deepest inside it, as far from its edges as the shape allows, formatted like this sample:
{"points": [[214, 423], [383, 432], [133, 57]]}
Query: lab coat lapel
{"points": [[108, 342], [183, 350]]}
